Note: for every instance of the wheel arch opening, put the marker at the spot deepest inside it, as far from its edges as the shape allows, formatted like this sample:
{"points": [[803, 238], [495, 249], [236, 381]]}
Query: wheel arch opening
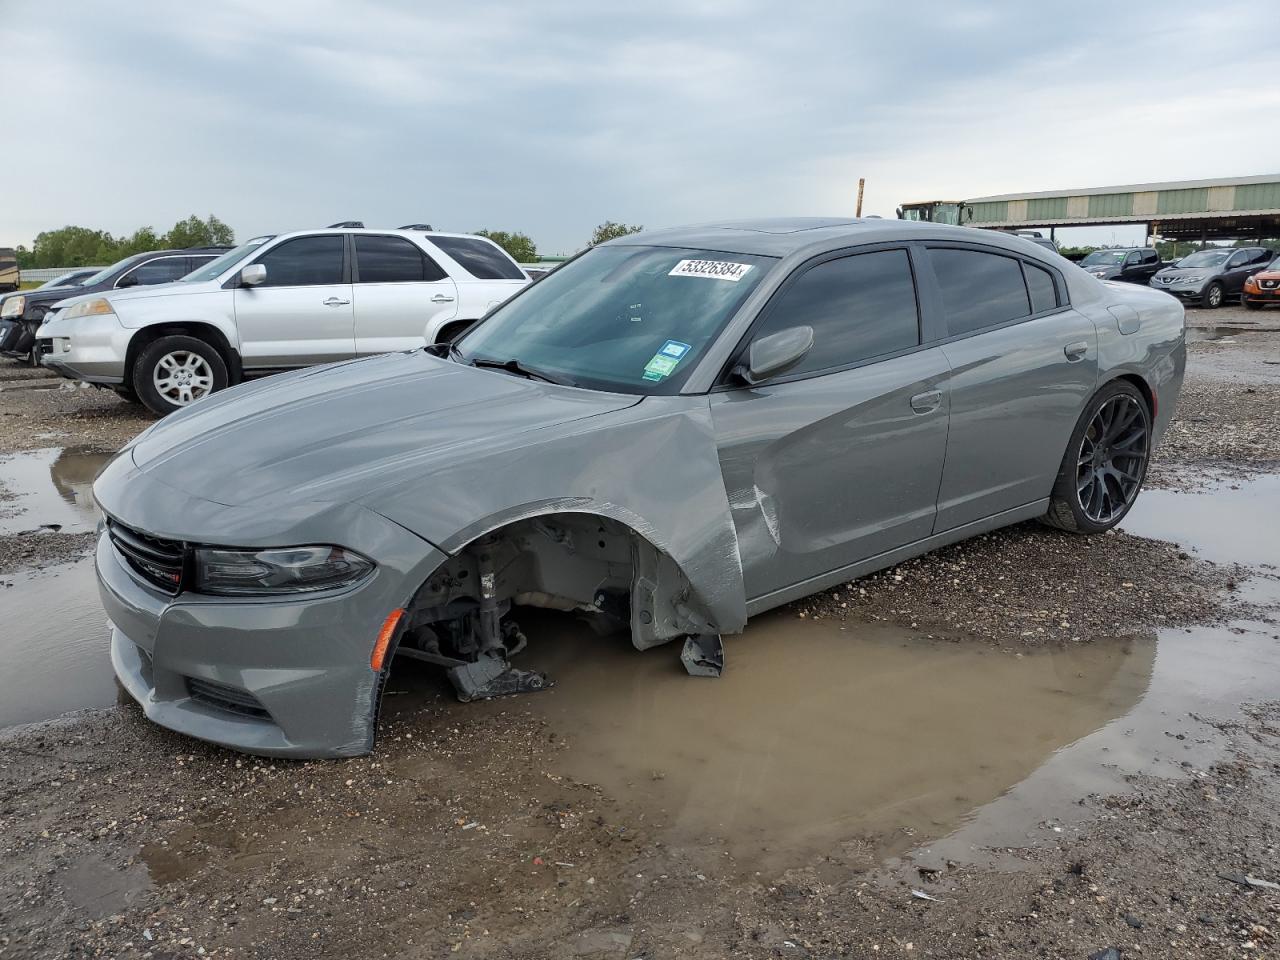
{"points": [[207, 332], [465, 615]]}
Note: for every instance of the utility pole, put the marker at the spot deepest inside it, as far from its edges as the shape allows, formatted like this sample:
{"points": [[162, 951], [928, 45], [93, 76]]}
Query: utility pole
{"points": [[862, 182]]}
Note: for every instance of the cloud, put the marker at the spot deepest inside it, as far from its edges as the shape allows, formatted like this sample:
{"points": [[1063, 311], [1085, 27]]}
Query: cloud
{"points": [[552, 117]]}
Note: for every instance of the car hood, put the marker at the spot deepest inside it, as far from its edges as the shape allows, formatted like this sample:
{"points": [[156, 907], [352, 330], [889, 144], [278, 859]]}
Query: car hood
{"points": [[344, 431], [42, 293], [144, 293], [1187, 272]]}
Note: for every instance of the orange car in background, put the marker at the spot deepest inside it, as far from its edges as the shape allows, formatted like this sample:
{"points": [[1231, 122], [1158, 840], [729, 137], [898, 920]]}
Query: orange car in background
{"points": [[1262, 288]]}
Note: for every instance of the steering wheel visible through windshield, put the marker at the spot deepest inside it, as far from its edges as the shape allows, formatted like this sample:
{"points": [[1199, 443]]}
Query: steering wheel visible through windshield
{"points": [[631, 319]]}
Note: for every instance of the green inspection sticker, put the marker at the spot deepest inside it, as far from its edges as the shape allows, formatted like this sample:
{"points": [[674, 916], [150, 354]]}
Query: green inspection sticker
{"points": [[659, 367]]}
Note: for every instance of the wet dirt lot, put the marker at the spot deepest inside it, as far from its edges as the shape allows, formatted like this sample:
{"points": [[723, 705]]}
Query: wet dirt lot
{"points": [[1056, 790]]}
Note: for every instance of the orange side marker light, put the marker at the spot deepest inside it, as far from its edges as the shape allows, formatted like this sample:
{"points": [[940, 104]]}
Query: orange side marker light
{"points": [[384, 639]]}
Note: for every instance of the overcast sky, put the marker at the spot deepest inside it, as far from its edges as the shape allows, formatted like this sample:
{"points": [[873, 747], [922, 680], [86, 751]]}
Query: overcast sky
{"points": [[550, 117]]}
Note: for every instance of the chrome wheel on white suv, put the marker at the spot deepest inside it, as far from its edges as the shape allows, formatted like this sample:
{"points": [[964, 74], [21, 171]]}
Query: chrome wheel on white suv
{"points": [[182, 376], [178, 370]]}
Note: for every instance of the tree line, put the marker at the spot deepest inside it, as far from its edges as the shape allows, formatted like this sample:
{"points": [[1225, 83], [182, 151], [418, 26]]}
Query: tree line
{"points": [[81, 246], [524, 250], [84, 247]]}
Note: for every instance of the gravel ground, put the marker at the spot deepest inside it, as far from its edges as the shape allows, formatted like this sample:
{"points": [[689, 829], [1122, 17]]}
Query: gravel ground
{"points": [[460, 837], [37, 550], [38, 409], [1031, 584]]}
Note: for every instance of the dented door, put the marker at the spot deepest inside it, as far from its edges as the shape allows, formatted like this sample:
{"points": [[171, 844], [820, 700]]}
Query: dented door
{"points": [[830, 470]]}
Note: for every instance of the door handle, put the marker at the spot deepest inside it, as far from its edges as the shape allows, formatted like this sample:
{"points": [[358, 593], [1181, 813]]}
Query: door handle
{"points": [[1076, 351], [441, 298], [926, 402], [335, 302]]}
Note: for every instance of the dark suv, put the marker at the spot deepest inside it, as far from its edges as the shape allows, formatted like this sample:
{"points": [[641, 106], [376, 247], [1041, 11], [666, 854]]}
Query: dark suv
{"points": [[1132, 265], [22, 313], [1208, 277]]}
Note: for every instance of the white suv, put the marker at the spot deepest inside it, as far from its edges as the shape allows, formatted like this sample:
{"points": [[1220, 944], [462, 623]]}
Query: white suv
{"points": [[275, 303]]}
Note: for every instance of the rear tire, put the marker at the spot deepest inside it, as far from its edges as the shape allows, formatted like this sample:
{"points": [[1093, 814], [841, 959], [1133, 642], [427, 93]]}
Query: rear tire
{"points": [[176, 371], [1213, 296], [1105, 463]]}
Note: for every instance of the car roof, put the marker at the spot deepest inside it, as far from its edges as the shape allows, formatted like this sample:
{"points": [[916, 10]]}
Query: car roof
{"points": [[411, 234], [786, 236]]}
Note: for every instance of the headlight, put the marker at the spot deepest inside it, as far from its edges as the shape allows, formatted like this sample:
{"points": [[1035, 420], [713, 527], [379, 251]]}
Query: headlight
{"points": [[280, 570], [1196, 279], [13, 307], [88, 308]]}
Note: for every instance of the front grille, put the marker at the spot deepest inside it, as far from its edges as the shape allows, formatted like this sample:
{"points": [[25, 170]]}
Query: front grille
{"points": [[160, 562], [1269, 284], [228, 698]]}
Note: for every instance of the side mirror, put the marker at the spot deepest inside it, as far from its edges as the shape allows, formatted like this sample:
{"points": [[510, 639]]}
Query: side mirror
{"points": [[253, 275], [128, 280], [775, 354]]}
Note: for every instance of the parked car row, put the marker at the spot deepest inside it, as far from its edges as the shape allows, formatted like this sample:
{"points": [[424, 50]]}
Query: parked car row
{"points": [[21, 314], [1207, 278], [273, 303]]}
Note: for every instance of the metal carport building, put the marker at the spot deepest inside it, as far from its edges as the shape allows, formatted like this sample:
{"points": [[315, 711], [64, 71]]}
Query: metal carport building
{"points": [[1242, 208]]}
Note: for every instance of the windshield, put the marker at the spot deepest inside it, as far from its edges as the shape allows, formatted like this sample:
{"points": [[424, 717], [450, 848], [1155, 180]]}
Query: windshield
{"points": [[632, 319], [66, 280], [212, 269], [106, 272], [1104, 258], [1205, 258]]}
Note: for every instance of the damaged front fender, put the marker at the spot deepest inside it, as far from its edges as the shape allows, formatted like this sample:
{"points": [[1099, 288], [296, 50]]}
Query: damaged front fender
{"points": [[651, 470]]}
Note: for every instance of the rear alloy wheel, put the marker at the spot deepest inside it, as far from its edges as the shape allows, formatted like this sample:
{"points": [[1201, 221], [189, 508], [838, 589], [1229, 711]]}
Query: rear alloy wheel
{"points": [[176, 371], [1213, 296], [1105, 462]]}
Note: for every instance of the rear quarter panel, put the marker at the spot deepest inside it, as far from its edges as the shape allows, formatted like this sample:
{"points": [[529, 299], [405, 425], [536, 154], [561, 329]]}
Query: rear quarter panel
{"points": [[1155, 350]]}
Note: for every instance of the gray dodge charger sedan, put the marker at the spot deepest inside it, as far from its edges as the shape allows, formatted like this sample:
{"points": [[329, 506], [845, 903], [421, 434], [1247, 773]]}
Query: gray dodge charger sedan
{"points": [[671, 433]]}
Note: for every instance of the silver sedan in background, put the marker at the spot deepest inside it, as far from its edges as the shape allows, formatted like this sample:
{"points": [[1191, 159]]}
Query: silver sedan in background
{"points": [[672, 433]]}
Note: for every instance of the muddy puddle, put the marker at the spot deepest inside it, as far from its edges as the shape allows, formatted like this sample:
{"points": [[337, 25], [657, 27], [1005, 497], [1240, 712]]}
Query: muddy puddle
{"points": [[50, 489], [53, 645], [1238, 522], [1224, 334], [822, 732]]}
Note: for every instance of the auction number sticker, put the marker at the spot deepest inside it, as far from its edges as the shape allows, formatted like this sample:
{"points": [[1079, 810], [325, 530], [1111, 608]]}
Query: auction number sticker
{"points": [[710, 270]]}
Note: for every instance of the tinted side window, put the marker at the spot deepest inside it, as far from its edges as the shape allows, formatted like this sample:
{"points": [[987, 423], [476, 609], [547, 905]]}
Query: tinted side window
{"points": [[164, 270], [304, 262], [393, 260], [860, 307], [1040, 285], [1150, 256], [978, 289], [481, 259]]}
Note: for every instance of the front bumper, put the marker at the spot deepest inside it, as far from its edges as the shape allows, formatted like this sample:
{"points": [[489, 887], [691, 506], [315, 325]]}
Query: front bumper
{"points": [[1271, 295], [285, 676], [12, 334], [92, 349], [1183, 291]]}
